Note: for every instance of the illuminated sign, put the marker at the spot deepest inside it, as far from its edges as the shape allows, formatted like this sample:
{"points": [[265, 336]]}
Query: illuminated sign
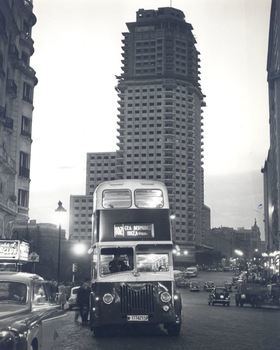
{"points": [[133, 231], [14, 250]]}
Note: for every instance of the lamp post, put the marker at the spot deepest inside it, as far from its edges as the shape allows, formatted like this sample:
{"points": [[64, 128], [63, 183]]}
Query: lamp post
{"points": [[59, 210]]}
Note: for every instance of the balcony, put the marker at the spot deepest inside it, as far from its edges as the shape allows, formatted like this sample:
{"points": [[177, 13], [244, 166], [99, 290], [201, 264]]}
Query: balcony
{"points": [[26, 69], [25, 39]]}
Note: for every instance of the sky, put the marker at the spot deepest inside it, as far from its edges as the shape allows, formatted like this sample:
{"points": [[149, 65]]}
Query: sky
{"points": [[77, 56]]}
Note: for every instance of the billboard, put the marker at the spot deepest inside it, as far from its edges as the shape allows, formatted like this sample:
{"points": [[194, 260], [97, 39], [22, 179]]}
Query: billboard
{"points": [[14, 250]]}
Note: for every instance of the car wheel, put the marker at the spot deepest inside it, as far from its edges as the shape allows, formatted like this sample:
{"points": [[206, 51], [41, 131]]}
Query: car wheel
{"points": [[228, 304], [209, 303], [241, 304]]}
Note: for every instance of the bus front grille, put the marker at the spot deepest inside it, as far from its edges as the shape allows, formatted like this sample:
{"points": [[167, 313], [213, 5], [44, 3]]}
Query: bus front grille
{"points": [[137, 301]]}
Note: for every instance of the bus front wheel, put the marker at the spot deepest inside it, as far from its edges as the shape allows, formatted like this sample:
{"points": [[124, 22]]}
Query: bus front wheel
{"points": [[98, 331], [173, 329]]}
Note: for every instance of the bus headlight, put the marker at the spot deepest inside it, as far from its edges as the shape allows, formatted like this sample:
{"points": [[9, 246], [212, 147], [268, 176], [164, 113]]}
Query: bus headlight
{"points": [[165, 297], [108, 298]]}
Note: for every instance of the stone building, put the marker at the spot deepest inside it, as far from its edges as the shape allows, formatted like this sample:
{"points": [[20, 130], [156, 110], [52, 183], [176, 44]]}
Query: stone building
{"points": [[17, 81], [226, 240], [271, 169]]}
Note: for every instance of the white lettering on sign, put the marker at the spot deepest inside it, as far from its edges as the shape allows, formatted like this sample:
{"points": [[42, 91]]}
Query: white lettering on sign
{"points": [[133, 230], [14, 250]]}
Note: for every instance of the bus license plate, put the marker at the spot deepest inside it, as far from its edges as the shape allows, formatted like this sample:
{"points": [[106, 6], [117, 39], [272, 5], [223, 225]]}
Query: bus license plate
{"points": [[138, 318]]}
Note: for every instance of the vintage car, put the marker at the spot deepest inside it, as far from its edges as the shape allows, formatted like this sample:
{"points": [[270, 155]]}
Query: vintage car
{"points": [[72, 301], [182, 282], [228, 286], [194, 286], [29, 316], [219, 295], [208, 286]]}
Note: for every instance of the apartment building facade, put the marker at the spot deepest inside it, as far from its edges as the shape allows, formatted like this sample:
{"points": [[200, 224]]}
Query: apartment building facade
{"points": [[160, 114], [17, 81], [271, 169], [101, 166]]}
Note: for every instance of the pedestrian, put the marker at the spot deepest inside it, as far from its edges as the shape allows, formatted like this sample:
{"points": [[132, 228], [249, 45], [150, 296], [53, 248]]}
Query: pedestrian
{"points": [[83, 296], [61, 296]]}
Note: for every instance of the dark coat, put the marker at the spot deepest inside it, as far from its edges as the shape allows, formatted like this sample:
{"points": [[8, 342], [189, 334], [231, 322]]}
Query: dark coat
{"points": [[83, 295]]}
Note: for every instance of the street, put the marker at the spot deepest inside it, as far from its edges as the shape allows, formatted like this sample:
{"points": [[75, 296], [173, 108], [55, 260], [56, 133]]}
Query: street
{"points": [[203, 327]]}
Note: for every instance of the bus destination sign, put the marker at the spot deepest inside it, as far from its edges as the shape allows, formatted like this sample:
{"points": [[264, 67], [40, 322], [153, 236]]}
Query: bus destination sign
{"points": [[134, 231]]}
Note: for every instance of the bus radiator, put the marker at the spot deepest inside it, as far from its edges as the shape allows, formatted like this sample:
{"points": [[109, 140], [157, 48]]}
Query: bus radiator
{"points": [[135, 300]]}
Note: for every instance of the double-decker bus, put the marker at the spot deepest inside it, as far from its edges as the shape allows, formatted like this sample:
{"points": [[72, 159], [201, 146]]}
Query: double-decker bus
{"points": [[132, 270]]}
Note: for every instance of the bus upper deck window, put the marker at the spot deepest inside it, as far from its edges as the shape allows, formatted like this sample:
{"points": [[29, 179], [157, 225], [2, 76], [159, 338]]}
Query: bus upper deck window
{"points": [[116, 199], [148, 198]]}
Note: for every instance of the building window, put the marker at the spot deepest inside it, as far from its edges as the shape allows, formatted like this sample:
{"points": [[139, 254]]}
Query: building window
{"points": [[27, 93], [26, 126], [23, 198], [24, 164]]}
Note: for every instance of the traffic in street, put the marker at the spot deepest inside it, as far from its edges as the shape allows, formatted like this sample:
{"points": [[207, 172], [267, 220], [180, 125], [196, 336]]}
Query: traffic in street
{"points": [[203, 326]]}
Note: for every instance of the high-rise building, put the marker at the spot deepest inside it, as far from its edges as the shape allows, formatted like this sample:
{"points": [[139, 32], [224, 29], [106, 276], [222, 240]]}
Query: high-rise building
{"points": [[101, 166], [160, 114], [17, 81], [271, 169]]}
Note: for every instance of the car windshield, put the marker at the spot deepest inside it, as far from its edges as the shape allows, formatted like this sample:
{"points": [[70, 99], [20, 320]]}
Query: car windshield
{"points": [[13, 292], [220, 290]]}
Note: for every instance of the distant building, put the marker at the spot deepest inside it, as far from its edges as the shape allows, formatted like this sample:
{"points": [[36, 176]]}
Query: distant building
{"points": [[271, 169], [44, 241], [17, 81], [226, 240], [101, 166], [80, 222]]}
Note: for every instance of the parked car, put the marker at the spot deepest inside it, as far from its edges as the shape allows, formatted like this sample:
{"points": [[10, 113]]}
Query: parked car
{"points": [[194, 286], [72, 301], [29, 316], [219, 295], [208, 286]]}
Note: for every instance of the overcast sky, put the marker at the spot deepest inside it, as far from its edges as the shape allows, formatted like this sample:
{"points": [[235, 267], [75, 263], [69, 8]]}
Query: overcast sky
{"points": [[77, 55]]}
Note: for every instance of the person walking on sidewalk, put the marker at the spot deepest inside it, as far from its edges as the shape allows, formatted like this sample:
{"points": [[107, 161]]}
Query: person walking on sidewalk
{"points": [[83, 296]]}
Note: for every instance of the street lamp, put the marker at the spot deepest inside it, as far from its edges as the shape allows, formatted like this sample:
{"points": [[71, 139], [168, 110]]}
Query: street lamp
{"points": [[238, 252], [59, 210]]}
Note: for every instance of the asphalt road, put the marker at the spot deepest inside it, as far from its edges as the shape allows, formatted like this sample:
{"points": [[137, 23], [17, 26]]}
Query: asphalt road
{"points": [[204, 327]]}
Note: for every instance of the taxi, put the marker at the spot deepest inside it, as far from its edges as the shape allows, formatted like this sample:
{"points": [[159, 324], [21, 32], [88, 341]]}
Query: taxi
{"points": [[29, 316]]}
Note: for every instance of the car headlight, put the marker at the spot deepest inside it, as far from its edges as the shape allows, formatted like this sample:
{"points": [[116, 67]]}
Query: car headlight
{"points": [[165, 297], [108, 298]]}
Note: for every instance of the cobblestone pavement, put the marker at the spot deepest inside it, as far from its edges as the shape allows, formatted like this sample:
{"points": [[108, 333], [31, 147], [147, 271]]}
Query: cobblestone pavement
{"points": [[204, 327]]}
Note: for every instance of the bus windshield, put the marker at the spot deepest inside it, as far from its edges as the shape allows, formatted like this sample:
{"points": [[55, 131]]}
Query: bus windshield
{"points": [[113, 260], [152, 262], [145, 198], [116, 199]]}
